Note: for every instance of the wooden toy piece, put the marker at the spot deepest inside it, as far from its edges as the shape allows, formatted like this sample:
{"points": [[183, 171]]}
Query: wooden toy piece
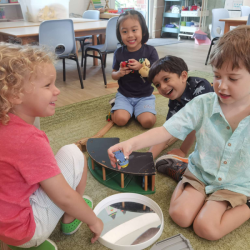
{"points": [[4, 246], [82, 143], [140, 164], [121, 159]]}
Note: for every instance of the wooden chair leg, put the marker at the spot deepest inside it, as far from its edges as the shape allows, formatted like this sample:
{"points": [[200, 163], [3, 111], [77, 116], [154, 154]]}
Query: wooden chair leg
{"points": [[4, 246], [104, 173], [122, 180], [153, 183], [146, 183], [93, 164]]}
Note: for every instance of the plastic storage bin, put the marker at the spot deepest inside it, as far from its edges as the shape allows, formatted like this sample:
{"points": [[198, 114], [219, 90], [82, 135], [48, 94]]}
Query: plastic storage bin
{"points": [[38, 11]]}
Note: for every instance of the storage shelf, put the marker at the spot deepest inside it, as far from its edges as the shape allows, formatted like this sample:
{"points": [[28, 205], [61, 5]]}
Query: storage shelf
{"points": [[175, 15], [188, 29], [194, 13], [171, 30]]}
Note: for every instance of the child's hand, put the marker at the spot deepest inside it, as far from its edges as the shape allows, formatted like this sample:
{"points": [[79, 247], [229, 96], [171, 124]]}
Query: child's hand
{"points": [[96, 229], [133, 64], [177, 151], [124, 70], [125, 147]]}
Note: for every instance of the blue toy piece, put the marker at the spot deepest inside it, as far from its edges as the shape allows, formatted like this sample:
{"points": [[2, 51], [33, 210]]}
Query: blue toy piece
{"points": [[121, 159]]}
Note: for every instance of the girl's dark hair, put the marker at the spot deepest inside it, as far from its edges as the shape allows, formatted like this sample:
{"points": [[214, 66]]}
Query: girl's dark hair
{"points": [[136, 15], [170, 64]]}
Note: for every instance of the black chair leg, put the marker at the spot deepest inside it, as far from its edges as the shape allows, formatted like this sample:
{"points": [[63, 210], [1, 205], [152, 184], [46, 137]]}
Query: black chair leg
{"points": [[82, 48], [105, 60], [79, 72], [64, 73], [85, 64], [103, 70], [208, 54]]}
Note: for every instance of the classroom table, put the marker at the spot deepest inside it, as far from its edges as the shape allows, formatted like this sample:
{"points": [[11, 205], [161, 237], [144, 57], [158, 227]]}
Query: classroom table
{"points": [[233, 21], [30, 34], [20, 24]]}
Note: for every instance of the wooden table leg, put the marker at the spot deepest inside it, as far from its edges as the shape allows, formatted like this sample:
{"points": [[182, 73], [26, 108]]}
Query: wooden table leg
{"points": [[227, 27], [146, 183], [77, 48], [94, 42], [144, 207], [93, 164], [122, 180], [123, 204], [153, 183], [104, 173]]}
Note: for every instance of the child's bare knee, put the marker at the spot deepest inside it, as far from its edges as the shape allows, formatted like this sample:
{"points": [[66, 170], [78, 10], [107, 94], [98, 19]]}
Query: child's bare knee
{"points": [[149, 123], [120, 119], [206, 230], [180, 216]]}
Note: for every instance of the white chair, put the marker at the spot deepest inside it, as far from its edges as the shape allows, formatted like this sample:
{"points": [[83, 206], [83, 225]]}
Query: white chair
{"points": [[217, 30], [109, 46], [59, 36], [245, 10], [89, 14], [248, 20]]}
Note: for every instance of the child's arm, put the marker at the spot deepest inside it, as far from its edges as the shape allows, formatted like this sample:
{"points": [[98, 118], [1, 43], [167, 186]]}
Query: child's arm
{"points": [[72, 203], [152, 137], [157, 149], [185, 146], [116, 75]]}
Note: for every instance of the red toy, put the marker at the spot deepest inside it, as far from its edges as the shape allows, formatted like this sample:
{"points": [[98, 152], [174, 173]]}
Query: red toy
{"points": [[194, 7], [125, 64]]}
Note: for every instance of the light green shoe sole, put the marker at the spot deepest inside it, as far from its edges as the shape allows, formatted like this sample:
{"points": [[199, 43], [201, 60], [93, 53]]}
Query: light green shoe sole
{"points": [[46, 245]]}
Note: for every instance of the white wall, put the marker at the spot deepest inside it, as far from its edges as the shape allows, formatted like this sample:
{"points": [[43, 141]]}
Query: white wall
{"points": [[79, 6]]}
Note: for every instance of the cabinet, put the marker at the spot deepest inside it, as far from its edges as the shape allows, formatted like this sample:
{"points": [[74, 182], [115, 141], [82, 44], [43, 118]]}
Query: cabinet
{"points": [[12, 11], [185, 16], [197, 16], [169, 17]]}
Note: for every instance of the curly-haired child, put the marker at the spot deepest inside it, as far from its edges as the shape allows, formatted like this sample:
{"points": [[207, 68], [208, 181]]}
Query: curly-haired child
{"points": [[37, 188]]}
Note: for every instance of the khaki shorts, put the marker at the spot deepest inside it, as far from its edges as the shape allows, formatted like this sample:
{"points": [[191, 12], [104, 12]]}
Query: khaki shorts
{"points": [[234, 199]]}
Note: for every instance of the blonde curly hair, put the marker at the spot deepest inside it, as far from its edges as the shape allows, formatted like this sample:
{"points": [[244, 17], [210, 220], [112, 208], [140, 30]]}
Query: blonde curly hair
{"points": [[17, 62]]}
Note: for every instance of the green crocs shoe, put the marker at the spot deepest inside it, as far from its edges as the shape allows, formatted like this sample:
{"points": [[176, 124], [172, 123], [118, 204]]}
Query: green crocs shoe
{"points": [[46, 245], [72, 227], [89, 201]]}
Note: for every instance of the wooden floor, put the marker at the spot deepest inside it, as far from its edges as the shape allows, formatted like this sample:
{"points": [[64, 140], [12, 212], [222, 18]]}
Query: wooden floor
{"points": [[194, 56]]}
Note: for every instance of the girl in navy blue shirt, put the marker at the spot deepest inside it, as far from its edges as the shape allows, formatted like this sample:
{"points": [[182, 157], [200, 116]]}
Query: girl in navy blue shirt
{"points": [[134, 95]]}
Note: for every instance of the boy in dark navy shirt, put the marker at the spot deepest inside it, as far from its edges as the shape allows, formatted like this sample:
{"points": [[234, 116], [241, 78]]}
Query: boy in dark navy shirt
{"points": [[170, 76]]}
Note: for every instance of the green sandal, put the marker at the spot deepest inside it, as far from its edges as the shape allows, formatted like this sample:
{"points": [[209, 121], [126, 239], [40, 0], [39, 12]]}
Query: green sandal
{"points": [[72, 227], [46, 245]]}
